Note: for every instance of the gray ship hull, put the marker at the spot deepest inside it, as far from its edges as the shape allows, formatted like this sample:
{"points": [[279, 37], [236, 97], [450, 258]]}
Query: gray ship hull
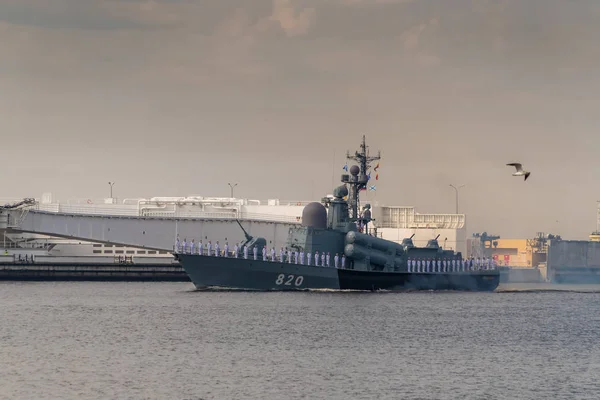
{"points": [[237, 273]]}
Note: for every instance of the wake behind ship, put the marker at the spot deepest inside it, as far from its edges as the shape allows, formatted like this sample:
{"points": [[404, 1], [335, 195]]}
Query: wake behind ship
{"points": [[334, 227]]}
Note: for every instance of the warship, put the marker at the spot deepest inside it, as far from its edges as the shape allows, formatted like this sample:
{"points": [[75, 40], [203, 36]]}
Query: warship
{"points": [[334, 226]]}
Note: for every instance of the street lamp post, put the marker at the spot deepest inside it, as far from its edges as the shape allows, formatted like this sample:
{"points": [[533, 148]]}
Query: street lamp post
{"points": [[597, 215], [456, 190], [111, 186], [231, 187]]}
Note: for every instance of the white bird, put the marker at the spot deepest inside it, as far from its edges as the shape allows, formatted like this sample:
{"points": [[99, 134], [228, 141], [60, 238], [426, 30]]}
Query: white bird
{"points": [[520, 171]]}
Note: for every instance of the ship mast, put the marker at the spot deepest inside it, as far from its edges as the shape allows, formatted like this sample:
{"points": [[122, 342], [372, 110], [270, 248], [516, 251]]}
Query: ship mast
{"points": [[364, 161]]}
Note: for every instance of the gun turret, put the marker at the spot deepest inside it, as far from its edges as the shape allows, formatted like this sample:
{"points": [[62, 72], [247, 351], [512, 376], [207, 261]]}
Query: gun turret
{"points": [[433, 243], [407, 243], [248, 237], [251, 241]]}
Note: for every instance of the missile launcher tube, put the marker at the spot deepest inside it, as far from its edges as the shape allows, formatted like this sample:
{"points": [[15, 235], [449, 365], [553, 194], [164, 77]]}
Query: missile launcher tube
{"points": [[376, 257], [385, 246]]}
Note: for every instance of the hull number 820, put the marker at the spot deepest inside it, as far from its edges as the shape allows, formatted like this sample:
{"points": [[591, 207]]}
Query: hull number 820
{"points": [[289, 280]]}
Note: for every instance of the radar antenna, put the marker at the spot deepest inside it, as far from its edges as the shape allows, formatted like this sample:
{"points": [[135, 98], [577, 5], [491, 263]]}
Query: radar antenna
{"points": [[364, 161]]}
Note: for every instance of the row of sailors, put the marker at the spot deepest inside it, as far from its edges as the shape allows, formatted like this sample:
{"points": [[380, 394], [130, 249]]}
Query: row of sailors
{"points": [[449, 265], [323, 259]]}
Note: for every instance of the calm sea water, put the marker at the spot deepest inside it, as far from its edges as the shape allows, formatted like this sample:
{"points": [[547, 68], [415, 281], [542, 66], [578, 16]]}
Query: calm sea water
{"points": [[167, 341]]}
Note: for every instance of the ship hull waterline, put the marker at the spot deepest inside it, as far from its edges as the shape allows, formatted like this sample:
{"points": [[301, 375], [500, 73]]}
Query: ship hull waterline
{"points": [[237, 273]]}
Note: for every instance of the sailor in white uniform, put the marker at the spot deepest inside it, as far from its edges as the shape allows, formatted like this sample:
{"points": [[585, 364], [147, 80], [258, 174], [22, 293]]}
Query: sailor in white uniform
{"points": [[289, 256], [226, 250], [184, 247], [327, 259], [308, 258], [322, 259], [255, 252], [317, 258], [192, 245], [343, 261], [336, 260], [209, 249], [200, 247], [414, 265], [264, 253], [295, 256], [177, 244], [217, 249], [439, 265], [281, 254], [236, 250], [408, 264], [273, 253], [428, 265], [302, 257]]}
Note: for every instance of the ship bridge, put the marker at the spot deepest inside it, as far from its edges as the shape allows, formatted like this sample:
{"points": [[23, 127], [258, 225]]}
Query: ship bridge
{"points": [[154, 223]]}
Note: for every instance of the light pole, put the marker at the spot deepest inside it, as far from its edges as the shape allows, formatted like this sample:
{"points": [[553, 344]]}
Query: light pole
{"points": [[456, 190], [111, 186], [597, 215], [231, 187]]}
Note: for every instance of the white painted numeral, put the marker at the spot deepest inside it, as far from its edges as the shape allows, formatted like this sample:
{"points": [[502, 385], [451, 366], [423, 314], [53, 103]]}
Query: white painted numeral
{"points": [[282, 280], [279, 280]]}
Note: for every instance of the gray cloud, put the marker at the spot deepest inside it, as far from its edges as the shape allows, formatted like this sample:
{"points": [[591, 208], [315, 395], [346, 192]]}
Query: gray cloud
{"points": [[180, 97]]}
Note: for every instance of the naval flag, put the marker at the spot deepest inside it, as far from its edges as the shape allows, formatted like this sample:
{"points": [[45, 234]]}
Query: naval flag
{"points": [[372, 187]]}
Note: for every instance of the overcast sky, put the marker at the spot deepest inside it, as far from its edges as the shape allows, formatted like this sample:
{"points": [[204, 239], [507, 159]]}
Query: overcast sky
{"points": [[176, 97]]}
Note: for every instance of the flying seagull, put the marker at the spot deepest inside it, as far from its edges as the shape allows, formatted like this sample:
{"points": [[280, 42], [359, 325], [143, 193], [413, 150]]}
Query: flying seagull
{"points": [[520, 171]]}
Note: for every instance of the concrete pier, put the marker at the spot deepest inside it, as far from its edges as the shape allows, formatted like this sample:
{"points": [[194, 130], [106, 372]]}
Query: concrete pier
{"points": [[71, 269]]}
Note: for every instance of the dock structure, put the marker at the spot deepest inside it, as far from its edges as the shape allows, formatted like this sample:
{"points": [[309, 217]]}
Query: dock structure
{"points": [[574, 261], [147, 232], [90, 268]]}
